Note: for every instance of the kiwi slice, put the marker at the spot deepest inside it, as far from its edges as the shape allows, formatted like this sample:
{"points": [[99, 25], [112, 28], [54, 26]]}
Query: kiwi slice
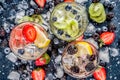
{"points": [[25, 18], [73, 28], [96, 9], [100, 18], [60, 25]]}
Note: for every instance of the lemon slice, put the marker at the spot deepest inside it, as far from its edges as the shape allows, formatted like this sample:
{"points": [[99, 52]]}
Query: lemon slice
{"points": [[83, 48], [41, 40]]}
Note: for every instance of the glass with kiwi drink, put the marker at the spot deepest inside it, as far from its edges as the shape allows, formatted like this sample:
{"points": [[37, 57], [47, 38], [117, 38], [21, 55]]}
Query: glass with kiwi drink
{"points": [[80, 59], [68, 20]]}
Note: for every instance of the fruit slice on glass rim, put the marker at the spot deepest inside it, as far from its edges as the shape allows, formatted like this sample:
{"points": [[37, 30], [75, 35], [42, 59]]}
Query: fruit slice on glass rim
{"points": [[41, 40], [84, 48]]}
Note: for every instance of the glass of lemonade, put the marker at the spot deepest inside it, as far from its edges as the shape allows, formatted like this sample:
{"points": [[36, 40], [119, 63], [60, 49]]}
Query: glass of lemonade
{"points": [[80, 59], [68, 21], [28, 40]]}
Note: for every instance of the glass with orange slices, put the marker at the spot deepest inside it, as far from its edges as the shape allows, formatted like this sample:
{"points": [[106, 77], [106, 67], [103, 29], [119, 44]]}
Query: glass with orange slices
{"points": [[80, 59], [29, 40]]}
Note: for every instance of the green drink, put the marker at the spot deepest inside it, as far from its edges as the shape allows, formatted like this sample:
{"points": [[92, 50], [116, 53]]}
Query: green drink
{"points": [[68, 21]]}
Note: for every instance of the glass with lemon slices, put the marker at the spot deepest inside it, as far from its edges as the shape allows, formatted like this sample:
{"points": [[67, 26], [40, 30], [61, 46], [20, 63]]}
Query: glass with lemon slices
{"points": [[80, 59], [29, 40]]}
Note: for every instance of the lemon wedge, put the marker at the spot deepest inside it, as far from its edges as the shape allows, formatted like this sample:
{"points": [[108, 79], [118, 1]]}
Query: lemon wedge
{"points": [[84, 48], [41, 40]]}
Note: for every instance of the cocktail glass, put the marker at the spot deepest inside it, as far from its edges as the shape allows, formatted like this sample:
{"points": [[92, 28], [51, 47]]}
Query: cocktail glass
{"points": [[80, 59], [24, 49], [68, 21]]}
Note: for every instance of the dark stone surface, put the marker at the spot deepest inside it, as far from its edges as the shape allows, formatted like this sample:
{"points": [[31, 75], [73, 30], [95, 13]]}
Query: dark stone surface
{"points": [[6, 66]]}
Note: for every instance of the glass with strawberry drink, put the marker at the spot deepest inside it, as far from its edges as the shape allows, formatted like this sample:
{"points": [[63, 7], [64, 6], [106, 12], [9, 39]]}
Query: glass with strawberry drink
{"points": [[80, 59], [29, 40], [68, 20]]}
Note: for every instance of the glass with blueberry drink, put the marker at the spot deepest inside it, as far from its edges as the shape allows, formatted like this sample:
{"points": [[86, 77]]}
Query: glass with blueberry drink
{"points": [[28, 40], [68, 21], [80, 59]]}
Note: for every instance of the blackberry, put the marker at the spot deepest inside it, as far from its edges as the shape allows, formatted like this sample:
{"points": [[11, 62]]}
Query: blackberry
{"points": [[90, 66], [104, 29], [111, 27], [91, 58], [72, 50], [96, 36], [75, 69], [95, 1], [110, 15], [2, 32]]}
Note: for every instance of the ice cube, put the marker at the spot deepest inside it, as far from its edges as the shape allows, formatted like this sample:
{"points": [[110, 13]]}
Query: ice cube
{"points": [[60, 50], [2, 1], [19, 15], [30, 11], [33, 4], [22, 5], [114, 52], [50, 76], [104, 54], [11, 57], [59, 72], [58, 59], [81, 1], [1, 9], [92, 41], [90, 29], [13, 75]]}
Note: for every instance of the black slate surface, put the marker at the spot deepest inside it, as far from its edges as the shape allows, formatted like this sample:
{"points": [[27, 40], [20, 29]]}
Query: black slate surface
{"points": [[6, 66]]}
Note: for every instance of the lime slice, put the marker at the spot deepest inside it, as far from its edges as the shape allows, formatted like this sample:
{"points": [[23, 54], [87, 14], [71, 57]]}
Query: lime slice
{"points": [[60, 25], [83, 48], [41, 40], [25, 18]]}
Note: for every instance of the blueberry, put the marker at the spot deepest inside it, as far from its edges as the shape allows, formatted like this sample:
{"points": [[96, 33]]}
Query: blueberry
{"points": [[77, 17], [72, 49], [60, 32], [110, 7], [21, 51], [111, 27], [54, 19], [90, 66], [7, 50], [75, 69], [74, 12], [67, 36], [95, 1], [110, 15], [104, 29], [96, 36], [99, 30], [68, 8]]}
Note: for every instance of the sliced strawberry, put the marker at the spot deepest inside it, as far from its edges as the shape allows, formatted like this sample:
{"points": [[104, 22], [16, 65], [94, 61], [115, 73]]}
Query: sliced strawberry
{"points": [[38, 74], [100, 74], [107, 37], [29, 32], [43, 60], [40, 3], [68, 0]]}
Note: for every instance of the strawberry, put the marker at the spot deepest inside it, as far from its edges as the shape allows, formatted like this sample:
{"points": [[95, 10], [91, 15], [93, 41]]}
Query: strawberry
{"points": [[100, 74], [43, 60], [68, 0], [38, 74], [80, 38], [29, 32], [107, 37], [40, 3]]}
